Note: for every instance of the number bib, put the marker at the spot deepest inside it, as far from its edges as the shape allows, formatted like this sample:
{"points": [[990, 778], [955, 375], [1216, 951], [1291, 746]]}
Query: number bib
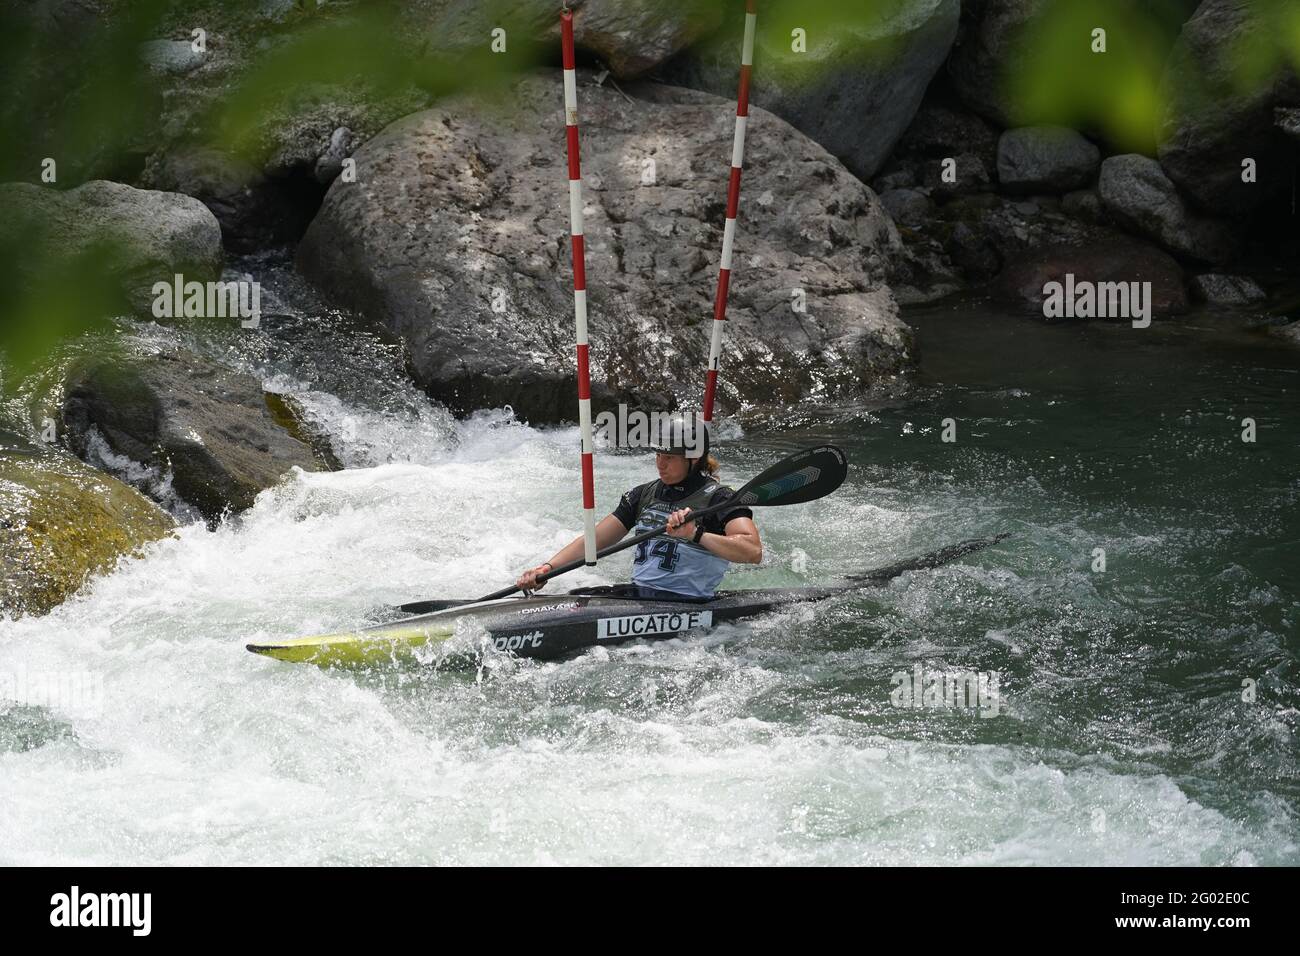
{"points": [[674, 564]]}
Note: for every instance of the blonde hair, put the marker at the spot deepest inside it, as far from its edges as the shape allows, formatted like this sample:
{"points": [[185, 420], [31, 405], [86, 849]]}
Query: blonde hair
{"points": [[710, 467]]}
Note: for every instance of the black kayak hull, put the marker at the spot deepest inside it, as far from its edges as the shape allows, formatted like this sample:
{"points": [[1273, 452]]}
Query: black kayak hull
{"points": [[555, 626]]}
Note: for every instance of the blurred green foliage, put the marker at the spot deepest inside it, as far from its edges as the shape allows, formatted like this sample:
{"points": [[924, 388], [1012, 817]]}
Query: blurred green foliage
{"points": [[1261, 56], [73, 87], [52, 294], [856, 31], [1058, 79], [76, 88]]}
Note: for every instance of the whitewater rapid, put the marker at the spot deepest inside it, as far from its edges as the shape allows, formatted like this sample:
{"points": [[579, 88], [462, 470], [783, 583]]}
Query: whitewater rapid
{"points": [[703, 750], [1120, 737]]}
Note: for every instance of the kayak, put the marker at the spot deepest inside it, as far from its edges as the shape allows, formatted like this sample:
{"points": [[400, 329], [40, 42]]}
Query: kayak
{"points": [[554, 626]]}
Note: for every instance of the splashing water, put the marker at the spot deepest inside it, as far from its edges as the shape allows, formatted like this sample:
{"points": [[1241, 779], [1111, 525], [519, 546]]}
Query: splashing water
{"points": [[1121, 734]]}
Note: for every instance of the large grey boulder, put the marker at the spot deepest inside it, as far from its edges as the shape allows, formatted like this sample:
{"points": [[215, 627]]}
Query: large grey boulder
{"points": [[1035, 159], [629, 36], [130, 238], [177, 424], [986, 58], [1212, 122], [456, 237], [1138, 195], [254, 211], [1007, 50], [856, 88]]}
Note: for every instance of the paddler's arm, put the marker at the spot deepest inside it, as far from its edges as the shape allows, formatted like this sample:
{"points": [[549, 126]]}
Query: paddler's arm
{"points": [[608, 530], [740, 544]]}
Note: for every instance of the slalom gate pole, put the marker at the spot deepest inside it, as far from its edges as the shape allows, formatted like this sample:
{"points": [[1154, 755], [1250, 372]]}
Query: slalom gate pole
{"points": [[733, 208], [579, 284]]}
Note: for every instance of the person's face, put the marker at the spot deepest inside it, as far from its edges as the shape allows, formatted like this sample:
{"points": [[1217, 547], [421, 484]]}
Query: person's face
{"points": [[673, 469]]}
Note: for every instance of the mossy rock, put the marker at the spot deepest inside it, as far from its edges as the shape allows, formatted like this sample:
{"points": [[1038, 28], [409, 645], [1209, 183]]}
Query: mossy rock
{"points": [[288, 414], [62, 523], [177, 412]]}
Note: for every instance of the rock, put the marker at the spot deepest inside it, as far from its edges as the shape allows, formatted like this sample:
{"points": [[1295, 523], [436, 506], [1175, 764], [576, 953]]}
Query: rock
{"points": [[254, 212], [1287, 119], [907, 205], [631, 37], [76, 91], [1138, 195], [1212, 122], [171, 56], [986, 56], [198, 430], [969, 171], [107, 234], [1227, 290], [1084, 204], [972, 253], [1010, 226], [634, 37], [940, 130], [330, 163], [897, 179], [855, 90], [457, 209], [1045, 158], [62, 523], [1289, 333], [1119, 261]]}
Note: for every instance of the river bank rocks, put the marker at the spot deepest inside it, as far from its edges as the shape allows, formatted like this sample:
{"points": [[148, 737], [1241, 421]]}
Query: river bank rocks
{"points": [[1118, 261], [108, 237], [854, 90], [253, 210], [1213, 120], [61, 523], [1045, 159], [1138, 195], [1227, 290], [247, 116], [629, 37], [187, 432], [456, 238]]}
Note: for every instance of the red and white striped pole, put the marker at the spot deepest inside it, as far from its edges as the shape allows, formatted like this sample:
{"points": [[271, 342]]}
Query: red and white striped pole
{"points": [[733, 208], [579, 285]]}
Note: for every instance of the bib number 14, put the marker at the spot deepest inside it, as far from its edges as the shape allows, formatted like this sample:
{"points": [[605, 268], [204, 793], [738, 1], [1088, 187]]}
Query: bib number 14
{"points": [[663, 549]]}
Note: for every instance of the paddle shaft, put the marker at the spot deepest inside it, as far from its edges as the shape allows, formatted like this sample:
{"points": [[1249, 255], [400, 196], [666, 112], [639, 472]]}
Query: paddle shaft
{"points": [[804, 476], [612, 549]]}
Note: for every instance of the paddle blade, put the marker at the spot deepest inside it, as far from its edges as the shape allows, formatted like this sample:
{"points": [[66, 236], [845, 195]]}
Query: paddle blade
{"points": [[932, 560], [804, 476]]}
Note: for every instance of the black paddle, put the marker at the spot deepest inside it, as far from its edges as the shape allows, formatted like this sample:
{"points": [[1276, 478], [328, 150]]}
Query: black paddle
{"points": [[804, 476]]}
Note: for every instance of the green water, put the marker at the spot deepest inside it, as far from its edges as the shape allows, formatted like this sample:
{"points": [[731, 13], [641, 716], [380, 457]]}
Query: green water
{"points": [[1085, 436], [1119, 733]]}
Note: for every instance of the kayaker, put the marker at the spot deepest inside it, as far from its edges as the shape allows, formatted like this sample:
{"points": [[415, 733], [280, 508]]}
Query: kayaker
{"points": [[689, 560]]}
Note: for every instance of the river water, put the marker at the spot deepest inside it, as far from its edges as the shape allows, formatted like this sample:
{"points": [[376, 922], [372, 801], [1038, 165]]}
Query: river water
{"points": [[1144, 714]]}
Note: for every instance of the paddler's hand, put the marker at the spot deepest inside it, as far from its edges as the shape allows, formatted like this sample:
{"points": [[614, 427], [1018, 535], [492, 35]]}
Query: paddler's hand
{"points": [[529, 579], [678, 530]]}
